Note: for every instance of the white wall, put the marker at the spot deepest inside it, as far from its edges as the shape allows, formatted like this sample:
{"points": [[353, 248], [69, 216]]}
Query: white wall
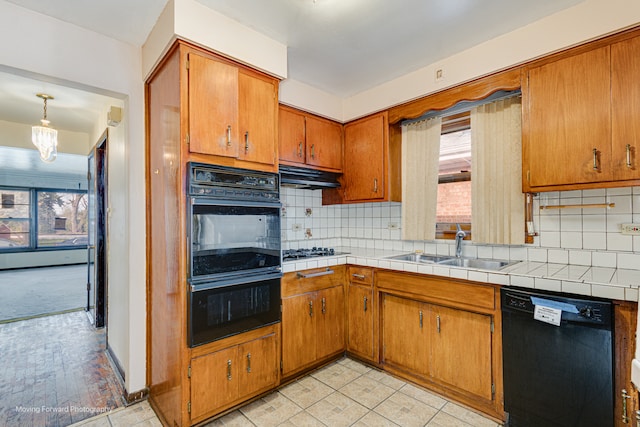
{"points": [[192, 21], [71, 55], [19, 135], [587, 20]]}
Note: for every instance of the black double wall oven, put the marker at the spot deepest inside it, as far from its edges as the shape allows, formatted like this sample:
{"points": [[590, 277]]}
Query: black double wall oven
{"points": [[234, 251]]}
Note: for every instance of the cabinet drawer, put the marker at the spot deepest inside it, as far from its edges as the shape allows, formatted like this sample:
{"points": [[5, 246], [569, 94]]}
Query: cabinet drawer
{"points": [[360, 275], [438, 289], [300, 282]]}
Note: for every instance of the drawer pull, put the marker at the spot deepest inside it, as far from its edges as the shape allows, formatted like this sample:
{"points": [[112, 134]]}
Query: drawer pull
{"points": [[320, 273], [358, 276]]}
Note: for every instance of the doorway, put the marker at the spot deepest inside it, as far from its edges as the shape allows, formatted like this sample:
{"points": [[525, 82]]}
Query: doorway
{"points": [[97, 232]]}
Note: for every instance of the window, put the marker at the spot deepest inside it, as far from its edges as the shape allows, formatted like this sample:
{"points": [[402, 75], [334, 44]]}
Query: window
{"points": [[454, 177], [62, 219], [15, 219], [57, 219]]}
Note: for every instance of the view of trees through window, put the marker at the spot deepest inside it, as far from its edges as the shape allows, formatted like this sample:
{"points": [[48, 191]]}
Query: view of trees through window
{"points": [[58, 219]]}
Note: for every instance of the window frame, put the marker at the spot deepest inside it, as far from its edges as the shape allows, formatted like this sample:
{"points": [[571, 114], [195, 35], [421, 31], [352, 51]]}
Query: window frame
{"points": [[33, 220]]}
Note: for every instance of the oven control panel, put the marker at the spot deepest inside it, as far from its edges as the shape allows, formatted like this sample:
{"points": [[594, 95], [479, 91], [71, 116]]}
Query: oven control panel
{"points": [[232, 183]]}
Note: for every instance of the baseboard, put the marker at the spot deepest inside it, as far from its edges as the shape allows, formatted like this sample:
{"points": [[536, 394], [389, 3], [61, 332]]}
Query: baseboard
{"points": [[128, 398], [116, 364], [136, 396]]}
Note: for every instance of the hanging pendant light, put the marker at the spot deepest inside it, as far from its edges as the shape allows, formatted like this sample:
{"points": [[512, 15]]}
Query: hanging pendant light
{"points": [[44, 137]]}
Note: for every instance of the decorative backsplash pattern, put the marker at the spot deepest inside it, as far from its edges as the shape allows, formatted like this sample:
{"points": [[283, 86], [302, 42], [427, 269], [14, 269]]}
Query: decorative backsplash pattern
{"points": [[583, 236]]}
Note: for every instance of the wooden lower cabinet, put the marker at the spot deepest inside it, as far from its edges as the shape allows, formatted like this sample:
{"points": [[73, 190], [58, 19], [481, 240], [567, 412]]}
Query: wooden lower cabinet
{"points": [[313, 318], [447, 345], [360, 340], [405, 337], [444, 334], [227, 376], [461, 350]]}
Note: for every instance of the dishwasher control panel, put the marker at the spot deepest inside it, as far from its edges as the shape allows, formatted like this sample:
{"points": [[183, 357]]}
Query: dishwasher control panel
{"points": [[573, 309]]}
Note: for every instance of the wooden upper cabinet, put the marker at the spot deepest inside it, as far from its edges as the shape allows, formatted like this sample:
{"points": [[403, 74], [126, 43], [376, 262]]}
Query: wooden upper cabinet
{"points": [[233, 113], [324, 143], [625, 104], [257, 118], [366, 144], [580, 127], [291, 136], [569, 126], [308, 140], [213, 107]]}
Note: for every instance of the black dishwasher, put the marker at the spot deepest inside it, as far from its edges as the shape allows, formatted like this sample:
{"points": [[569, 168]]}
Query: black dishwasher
{"points": [[558, 371]]}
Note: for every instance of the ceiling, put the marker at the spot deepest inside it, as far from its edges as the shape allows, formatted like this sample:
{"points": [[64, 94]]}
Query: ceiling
{"points": [[340, 46]]}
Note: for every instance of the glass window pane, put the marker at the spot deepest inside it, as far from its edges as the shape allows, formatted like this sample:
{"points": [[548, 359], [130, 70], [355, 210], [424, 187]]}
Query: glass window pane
{"points": [[62, 219], [14, 219], [454, 196]]}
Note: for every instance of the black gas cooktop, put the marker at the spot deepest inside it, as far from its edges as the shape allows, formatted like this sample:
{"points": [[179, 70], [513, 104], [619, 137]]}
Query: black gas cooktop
{"points": [[289, 254]]}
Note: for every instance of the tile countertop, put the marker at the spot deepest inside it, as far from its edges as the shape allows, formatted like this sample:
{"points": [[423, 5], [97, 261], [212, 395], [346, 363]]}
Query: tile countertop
{"points": [[610, 283]]}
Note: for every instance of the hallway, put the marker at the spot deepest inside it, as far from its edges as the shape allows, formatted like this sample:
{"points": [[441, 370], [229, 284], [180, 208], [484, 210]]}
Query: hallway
{"points": [[55, 372]]}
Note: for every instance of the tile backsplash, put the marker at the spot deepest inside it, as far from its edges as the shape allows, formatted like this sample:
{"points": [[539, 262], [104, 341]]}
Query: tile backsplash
{"points": [[583, 236]]}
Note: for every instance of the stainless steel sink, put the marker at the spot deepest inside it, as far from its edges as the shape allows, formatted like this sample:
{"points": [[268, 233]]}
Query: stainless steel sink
{"points": [[479, 263], [483, 264], [420, 257]]}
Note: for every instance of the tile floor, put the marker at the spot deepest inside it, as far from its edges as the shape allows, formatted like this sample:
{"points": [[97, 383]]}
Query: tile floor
{"points": [[344, 393], [54, 372]]}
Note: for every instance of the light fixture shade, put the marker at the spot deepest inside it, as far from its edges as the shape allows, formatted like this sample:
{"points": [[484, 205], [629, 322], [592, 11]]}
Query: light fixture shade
{"points": [[46, 140]]}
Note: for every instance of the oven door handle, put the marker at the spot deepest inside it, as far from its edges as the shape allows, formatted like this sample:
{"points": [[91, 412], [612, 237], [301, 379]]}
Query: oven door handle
{"points": [[204, 200], [205, 286], [320, 273]]}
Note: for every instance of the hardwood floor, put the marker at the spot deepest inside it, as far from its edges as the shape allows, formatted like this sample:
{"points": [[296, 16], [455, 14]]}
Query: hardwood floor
{"points": [[54, 372]]}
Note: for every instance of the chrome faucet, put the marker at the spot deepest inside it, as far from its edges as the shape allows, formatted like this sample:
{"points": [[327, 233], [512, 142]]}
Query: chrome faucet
{"points": [[460, 235]]}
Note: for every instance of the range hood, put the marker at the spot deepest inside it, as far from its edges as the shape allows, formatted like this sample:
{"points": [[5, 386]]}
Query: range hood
{"points": [[292, 176]]}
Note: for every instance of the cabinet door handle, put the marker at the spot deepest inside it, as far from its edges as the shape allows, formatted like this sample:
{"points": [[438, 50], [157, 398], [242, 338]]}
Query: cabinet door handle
{"points": [[310, 308], [317, 274], [637, 418], [246, 142], [313, 151], [438, 323], [324, 305], [229, 369], [595, 159], [420, 319], [249, 362], [358, 276], [629, 156], [365, 304], [625, 397], [375, 185], [229, 135], [300, 149]]}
